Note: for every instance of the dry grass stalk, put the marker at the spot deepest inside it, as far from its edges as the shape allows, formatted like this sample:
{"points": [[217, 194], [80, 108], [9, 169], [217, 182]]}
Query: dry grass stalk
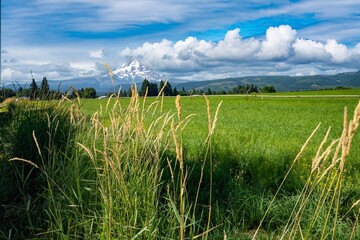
{"points": [[317, 158], [329, 180], [162, 103], [111, 75], [76, 93], [178, 106], [24, 160], [208, 113], [179, 156], [161, 92], [349, 130], [213, 125]]}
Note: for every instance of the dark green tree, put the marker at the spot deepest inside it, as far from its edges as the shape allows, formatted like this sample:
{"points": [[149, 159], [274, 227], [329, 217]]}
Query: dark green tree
{"points": [[89, 93], [161, 85], [245, 89], [153, 89], [175, 92], [45, 89], [33, 90], [183, 92], [268, 89], [81, 92], [145, 84], [6, 93], [168, 89]]}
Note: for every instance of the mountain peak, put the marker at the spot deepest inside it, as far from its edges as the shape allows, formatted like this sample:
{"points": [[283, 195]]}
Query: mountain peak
{"points": [[132, 72], [134, 63], [132, 69]]}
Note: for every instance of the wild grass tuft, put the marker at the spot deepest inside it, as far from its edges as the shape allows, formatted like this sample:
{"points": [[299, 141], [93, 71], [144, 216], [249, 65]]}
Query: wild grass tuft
{"points": [[322, 192]]}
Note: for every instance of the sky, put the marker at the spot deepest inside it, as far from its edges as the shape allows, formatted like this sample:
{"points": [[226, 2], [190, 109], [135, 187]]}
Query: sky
{"points": [[188, 39]]}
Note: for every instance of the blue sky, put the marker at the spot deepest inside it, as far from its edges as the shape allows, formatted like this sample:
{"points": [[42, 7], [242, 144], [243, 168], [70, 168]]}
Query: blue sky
{"points": [[185, 39]]}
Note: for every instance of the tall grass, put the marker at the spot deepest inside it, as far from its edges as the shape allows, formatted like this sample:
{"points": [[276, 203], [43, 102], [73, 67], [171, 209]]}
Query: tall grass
{"points": [[123, 172], [23, 199], [104, 180]]}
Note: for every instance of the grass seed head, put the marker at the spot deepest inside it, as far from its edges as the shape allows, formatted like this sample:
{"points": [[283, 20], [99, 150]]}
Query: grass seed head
{"points": [[178, 106]]}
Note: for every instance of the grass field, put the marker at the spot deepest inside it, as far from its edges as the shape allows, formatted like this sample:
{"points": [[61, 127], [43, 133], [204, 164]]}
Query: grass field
{"points": [[240, 170], [260, 126], [261, 135]]}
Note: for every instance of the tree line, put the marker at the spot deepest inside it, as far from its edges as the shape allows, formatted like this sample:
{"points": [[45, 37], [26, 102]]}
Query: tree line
{"points": [[43, 91], [153, 89], [239, 89], [34, 91]]}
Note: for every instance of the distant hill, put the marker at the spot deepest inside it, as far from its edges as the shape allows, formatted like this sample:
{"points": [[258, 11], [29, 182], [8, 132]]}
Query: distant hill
{"points": [[281, 83], [135, 72]]}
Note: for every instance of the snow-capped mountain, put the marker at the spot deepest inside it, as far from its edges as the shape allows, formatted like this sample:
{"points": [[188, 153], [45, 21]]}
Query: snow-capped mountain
{"points": [[131, 72], [124, 76]]}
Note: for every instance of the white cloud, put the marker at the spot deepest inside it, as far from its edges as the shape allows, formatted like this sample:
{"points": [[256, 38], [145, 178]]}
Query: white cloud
{"points": [[279, 53], [193, 54], [234, 48], [339, 52], [9, 75], [278, 42], [21, 72], [309, 51], [357, 49]]}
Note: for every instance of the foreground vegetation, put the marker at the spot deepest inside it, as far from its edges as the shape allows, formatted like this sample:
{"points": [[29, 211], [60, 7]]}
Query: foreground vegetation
{"points": [[128, 168]]}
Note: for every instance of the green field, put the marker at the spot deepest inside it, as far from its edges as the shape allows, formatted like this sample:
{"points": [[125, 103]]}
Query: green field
{"points": [[260, 126], [254, 144]]}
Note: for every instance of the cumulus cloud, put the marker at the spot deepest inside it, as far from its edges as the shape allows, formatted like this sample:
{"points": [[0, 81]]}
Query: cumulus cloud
{"points": [[310, 51], [339, 52], [7, 74], [56, 63], [357, 49], [277, 43], [234, 48], [331, 51], [279, 52], [193, 54], [21, 72]]}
